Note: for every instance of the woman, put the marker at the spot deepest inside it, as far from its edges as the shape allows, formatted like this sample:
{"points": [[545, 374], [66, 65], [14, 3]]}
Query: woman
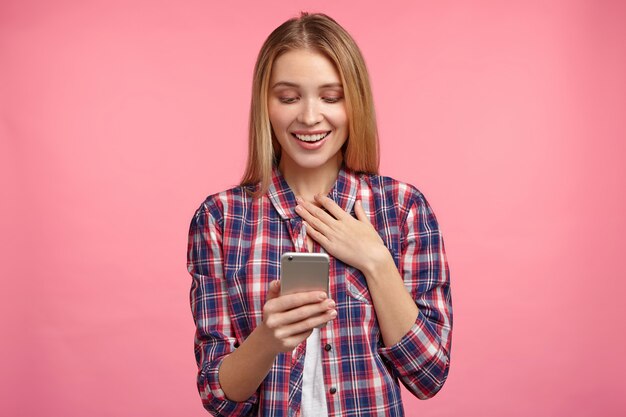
{"points": [[311, 184]]}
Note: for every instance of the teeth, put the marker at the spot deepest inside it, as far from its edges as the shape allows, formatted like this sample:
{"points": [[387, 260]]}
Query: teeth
{"points": [[312, 138]]}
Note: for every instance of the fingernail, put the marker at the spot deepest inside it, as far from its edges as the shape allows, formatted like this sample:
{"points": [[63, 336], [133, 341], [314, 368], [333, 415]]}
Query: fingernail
{"points": [[333, 314], [331, 304], [323, 296]]}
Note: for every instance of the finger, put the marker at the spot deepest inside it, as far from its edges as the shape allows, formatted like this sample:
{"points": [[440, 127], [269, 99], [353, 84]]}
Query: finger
{"points": [[307, 324], [360, 213], [274, 290], [317, 235], [315, 216], [304, 313], [317, 211], [293, 341], [332, 207], [291, 301]]}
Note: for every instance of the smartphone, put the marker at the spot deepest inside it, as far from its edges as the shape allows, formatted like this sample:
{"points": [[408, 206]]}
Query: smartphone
{"points": [[304, 271]]}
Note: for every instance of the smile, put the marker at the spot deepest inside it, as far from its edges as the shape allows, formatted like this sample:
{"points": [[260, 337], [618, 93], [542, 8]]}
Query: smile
{"points": [[311, 138]]}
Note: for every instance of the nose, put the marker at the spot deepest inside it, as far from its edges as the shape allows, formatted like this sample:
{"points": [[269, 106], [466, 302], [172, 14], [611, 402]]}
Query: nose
{"points": [[310, 114]]}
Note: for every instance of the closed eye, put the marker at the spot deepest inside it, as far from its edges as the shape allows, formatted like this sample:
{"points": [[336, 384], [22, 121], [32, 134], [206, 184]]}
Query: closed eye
{"points": [[287, 100]]}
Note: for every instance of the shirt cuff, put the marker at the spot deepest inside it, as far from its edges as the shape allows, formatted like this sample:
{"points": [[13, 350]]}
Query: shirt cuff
{"points": [[419, 350], [213, 397]]}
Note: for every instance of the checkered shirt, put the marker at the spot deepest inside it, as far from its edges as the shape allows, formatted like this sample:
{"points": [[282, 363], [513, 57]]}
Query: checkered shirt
{"points": [[234, 249]]}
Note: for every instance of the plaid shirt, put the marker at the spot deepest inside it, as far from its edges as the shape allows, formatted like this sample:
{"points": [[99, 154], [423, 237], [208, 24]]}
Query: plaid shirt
{"points": [[235, 244]]}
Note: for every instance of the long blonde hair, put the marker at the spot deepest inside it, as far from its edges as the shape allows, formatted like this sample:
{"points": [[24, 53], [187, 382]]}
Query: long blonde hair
{"points": [[320, 33]]}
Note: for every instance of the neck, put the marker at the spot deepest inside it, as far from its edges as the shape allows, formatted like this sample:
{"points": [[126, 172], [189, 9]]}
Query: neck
{"points": [[307, 182]]}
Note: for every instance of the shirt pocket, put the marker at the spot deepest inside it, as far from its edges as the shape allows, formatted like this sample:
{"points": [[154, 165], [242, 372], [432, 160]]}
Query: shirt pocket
{"points": [[359, 314], [356, 283], [356, 286]]}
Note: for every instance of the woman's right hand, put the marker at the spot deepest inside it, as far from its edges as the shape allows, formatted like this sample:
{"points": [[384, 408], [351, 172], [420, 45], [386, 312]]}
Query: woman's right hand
{"points": [[289, 319]]}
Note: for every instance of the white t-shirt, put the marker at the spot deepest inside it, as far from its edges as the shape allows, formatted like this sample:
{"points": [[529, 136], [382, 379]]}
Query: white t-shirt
{"points": [[313, 393]]}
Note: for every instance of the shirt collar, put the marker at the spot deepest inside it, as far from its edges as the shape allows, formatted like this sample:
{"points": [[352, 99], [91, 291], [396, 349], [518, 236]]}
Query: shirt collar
{"points": [[343, 193]]}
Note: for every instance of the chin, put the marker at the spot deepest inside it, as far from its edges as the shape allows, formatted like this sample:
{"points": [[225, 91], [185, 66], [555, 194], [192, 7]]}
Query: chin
{"points": [[313, 163]]}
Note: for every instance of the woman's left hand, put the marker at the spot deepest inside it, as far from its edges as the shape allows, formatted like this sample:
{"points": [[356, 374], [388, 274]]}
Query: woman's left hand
{"points": [[353, 241]]}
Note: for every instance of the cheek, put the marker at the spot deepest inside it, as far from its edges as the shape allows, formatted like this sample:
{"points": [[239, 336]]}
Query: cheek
{"points": [[338, 118], [280, 116], [274, 120]]}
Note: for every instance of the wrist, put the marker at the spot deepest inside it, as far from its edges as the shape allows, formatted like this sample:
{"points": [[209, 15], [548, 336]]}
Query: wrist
{"points": [[263, 340], [378, 262]]}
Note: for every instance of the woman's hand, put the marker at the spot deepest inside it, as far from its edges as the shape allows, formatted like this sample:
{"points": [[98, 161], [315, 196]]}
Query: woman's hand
{"points": [[353, 241], [289, 319], [356, 242]]}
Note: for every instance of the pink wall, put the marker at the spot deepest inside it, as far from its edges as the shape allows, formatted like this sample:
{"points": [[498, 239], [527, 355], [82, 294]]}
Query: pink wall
{"points": [[117, 118]]}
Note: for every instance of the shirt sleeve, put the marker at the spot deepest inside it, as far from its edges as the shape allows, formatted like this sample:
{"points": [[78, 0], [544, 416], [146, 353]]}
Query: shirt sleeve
{"points": [[214, 338], [421, 358]]}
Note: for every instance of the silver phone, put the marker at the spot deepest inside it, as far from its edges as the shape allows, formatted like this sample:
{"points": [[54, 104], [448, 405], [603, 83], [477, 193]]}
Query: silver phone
{"points": [[304, 271]]}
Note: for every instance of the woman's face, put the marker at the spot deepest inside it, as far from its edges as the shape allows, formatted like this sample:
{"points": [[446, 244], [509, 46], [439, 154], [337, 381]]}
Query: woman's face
{"points": [[307, 111]]}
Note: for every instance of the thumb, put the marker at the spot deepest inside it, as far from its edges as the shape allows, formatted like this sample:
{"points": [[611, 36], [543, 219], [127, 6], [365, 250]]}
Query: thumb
{"points": [[274, 290]]}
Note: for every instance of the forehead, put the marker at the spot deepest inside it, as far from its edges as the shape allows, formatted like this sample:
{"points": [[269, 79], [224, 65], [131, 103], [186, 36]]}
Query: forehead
{"points": [[304, 67]]}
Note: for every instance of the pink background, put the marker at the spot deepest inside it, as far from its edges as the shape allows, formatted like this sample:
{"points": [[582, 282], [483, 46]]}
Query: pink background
{"points": [[117, 118]]}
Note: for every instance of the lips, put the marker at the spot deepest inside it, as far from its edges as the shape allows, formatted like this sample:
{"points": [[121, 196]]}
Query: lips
{"points": [[311, 141], [310, 137]]}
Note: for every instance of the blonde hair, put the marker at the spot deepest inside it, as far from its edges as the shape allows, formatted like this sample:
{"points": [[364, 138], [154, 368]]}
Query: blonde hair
{"points": [[320, 33]]}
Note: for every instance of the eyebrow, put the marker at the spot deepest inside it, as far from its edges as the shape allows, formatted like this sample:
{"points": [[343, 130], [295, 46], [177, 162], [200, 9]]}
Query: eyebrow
{"points": [[289, 84]]}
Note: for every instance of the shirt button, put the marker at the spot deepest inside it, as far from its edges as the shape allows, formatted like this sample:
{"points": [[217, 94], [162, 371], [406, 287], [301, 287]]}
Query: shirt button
{"points": [[328, 347], [332, 390]]}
